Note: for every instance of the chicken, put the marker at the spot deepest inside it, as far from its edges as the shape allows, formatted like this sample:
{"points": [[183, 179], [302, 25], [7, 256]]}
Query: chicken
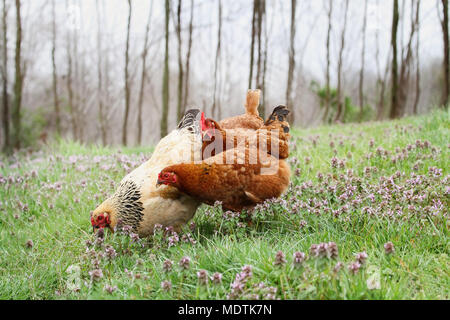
{"points": [[274, 133], [138, 203], [237, 186], [240, 177], [249, 120]]}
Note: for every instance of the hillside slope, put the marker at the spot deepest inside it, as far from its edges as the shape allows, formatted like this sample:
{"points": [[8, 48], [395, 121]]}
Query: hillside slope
{"points": [[355, 189]]}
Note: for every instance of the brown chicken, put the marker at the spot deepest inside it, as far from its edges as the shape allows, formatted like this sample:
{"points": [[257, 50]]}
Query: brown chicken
{"points": [[251, 119], [272, 136], [239, 177]]}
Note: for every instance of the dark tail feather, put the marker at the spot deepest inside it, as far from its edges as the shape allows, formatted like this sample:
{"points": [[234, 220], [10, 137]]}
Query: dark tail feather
{"points": [[191, 121], [279, 113]]}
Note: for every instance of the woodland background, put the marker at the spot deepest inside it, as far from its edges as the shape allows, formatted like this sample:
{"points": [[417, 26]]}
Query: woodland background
{"points": [[123, 72]]}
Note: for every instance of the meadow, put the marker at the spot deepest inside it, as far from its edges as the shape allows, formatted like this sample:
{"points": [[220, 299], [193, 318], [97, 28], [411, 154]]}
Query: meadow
{"points": [[366, 217]]}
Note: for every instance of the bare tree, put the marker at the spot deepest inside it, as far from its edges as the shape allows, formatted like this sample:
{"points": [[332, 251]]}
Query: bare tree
{"points": [[340, 107], [363, 58], [261, 10], [127, 78], [258, 24], [18, 80], [262, 108], [101, 115], [165, 93], [5, 99], [328, 92], [180, 64], [144, 74], [418, 88], [80, 71], [216, 100], [381, 79], [188, 59], [405, 67], [69, 79], [394, 97], [54, 71], [252, 45], [291, 62], [446, 63]]}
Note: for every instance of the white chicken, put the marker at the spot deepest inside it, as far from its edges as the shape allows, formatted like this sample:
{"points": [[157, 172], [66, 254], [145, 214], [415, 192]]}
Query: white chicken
{"points": [[138, 202]]}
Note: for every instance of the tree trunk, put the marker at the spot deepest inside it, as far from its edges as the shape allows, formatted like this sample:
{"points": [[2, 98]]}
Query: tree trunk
{"points": [[80, 71], [405, 67], [5, 99], [381, 80], [394, 103], [101, 115], [188, 59], [180, 65], [363, 57], [260, 23], [340, 107], [252, 45], [54, 72], [446, 64], [291, 62], [262, 107], [328, 92], [165, 90], [418, 89], [143, 75], [216, 100], [69, 84], [18, 81], [127, 78]]}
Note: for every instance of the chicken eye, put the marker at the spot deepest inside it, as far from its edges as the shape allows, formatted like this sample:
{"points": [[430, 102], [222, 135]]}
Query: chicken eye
{"points": [[100, 218]]}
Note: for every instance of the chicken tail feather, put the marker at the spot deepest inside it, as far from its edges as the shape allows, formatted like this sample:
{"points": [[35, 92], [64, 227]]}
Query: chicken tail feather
{"points": [[279, 113], [252, 102], [191, 121]]}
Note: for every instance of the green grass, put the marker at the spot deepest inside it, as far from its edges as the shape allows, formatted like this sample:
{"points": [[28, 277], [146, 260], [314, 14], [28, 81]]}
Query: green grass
{"points": [[47, 196]]}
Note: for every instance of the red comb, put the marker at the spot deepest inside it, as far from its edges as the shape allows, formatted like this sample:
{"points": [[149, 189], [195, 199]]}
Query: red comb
{"points": [[202, 120]]}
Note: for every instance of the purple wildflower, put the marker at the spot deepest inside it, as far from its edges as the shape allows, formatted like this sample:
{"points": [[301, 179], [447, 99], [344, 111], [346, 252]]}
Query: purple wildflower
{"points": [[96, 274], [167, 265], [361, 257], [110, 252], [322, 249], [332, 250], [280, 258], [354, 267], [184, 263], [313, 250], [389, 247], [101, 233], [29, 244], [202, 276], [246, 271], [110, 289], [299, 257], [338, 267], [216, 278], [166, 285], [134, 237]]}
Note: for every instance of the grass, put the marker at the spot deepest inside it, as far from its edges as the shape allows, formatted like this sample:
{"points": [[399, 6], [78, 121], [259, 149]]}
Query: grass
{"points": [[358, 185]]}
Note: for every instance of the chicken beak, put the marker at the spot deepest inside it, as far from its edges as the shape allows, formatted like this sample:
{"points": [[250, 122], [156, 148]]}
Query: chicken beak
{"points": [[159, 182]]}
